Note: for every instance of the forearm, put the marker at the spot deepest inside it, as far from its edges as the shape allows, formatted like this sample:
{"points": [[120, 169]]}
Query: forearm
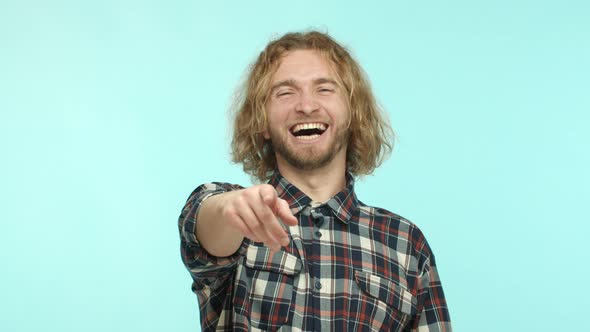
{"points": [[213, 231]]}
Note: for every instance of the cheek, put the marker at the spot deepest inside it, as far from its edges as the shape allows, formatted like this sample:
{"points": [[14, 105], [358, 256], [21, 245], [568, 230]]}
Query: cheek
{"points": [[269, 115], [341, 114], [273, 123], [276, 118]]}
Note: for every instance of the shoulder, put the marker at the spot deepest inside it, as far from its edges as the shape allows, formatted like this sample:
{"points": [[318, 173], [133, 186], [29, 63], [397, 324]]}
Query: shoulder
{"points": [[385, 218], [382, 214], [395, 226]]}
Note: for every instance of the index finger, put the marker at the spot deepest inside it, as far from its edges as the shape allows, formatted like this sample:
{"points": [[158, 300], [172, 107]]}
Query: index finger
{"points": [[283, 211], [268, 194]]}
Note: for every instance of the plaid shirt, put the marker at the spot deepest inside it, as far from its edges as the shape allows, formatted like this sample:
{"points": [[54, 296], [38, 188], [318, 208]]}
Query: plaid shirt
{"points": [[349, 267]]}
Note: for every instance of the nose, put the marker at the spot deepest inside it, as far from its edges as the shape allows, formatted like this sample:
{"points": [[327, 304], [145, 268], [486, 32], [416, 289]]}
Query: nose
{"points": [[307, 103]]}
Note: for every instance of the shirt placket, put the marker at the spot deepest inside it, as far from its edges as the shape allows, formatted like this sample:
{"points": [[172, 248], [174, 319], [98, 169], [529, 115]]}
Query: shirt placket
{"points": [[320, 217]]}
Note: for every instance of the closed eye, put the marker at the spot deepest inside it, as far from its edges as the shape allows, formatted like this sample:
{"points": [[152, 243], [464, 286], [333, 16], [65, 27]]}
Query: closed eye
{"points": [[284, 93]]}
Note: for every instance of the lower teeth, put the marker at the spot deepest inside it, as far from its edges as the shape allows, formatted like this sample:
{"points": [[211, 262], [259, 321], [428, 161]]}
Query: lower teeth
{"points": [[308, 137]]}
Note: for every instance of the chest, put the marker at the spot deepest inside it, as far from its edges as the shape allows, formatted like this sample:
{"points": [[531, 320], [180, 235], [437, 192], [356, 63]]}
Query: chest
{"points": [[331, 248]]}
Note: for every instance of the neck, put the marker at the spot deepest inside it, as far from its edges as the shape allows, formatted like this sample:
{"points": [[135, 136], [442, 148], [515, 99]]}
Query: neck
{"points": [[319, 184]]}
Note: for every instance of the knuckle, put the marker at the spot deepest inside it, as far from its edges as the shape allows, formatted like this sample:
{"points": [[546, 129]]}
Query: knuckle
{"points": [[228, 212], [239, 204], [283, 204], [240, 199], [248, 193], [267, 189]]}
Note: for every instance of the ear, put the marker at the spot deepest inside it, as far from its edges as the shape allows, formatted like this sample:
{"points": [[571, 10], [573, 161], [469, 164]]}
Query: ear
{"points": [[266, 134]]}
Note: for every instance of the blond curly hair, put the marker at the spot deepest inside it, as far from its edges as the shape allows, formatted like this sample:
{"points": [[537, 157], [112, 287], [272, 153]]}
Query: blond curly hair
{"points": [[370, 139]]}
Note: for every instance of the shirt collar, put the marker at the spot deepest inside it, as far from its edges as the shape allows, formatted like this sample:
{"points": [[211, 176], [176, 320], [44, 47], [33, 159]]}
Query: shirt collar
{"points": [[342, 205]]}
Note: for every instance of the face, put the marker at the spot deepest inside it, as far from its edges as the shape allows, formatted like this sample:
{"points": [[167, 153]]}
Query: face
{"points": [[307, 112]]}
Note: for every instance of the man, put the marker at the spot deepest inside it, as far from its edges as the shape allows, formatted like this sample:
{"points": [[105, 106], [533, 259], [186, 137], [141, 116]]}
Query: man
{"points": [[302, 253]]}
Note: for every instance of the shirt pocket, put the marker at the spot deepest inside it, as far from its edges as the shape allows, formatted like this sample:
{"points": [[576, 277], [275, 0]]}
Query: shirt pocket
{"points": [[390, 304], [270, 291]]}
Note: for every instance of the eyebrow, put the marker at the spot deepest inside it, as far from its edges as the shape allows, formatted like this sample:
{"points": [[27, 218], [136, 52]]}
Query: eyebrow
{"points": [[324, 80], [292, 83], [289, 83]]}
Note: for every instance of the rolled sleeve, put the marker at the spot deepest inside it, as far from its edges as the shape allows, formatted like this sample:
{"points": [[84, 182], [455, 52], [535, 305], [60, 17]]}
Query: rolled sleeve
{"points": [[205, 269]]}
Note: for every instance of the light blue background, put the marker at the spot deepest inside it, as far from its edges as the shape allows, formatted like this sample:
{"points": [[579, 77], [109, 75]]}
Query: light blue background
{"points": [[112, 112]]}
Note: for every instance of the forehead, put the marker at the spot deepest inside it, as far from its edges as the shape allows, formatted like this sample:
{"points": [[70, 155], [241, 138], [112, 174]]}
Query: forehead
{"points": [[303, 65]]}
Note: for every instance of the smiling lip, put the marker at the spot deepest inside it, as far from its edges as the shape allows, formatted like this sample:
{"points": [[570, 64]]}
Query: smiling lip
{"points": [[309, 125], [308, 132]]}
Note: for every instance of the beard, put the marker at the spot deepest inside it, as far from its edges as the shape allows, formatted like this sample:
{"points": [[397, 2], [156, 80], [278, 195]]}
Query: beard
{"points": [[308, 157]]}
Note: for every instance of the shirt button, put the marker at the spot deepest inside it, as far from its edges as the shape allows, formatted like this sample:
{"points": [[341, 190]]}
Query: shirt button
{"points": [[319, 221], [318, 285], [318, 234]]}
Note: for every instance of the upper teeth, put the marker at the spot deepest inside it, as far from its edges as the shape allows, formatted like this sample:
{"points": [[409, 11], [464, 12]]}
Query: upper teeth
{"points": [[316, 125]]}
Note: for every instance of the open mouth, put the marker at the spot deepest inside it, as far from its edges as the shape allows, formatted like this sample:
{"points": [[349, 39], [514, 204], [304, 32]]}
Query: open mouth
{"points": [[308, 131]]}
